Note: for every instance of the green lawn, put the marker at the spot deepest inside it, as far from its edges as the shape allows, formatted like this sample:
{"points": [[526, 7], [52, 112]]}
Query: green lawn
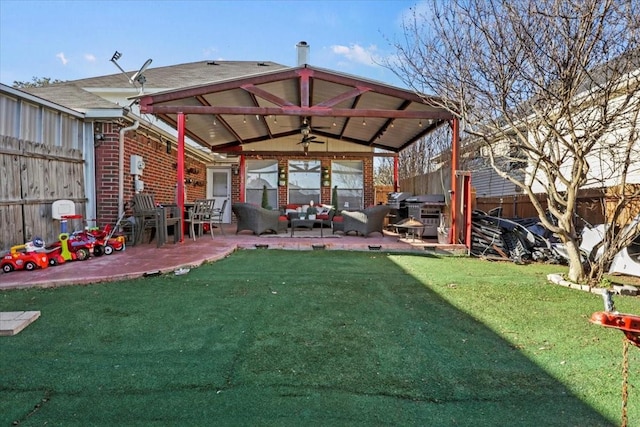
{"points": [[332, 338]]}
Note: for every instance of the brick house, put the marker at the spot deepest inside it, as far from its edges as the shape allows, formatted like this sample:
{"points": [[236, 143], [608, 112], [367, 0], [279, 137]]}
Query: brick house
{"points": [[230, 129]]}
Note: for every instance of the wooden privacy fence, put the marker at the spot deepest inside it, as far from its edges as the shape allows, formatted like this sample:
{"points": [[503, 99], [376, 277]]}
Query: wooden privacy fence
{"points": [[32, 177], [595, 206]]}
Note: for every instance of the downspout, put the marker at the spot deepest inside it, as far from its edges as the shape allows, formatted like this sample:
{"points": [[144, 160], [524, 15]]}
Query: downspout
{"points": [[121, 166]]}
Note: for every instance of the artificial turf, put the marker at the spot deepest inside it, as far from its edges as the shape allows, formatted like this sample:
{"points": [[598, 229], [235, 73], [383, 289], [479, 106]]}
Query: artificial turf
{"points": [[268, 337]]}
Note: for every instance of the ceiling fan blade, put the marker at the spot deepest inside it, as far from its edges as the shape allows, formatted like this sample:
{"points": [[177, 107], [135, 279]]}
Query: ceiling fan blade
{"points": [[307, 138]]}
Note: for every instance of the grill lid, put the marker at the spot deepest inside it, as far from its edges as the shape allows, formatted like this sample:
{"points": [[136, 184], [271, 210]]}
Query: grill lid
{"points": [[398, 196]]}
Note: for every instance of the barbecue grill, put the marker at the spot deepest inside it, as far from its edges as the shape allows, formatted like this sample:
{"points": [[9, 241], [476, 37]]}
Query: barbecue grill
{"points": [[396, 201], [426, 209]]}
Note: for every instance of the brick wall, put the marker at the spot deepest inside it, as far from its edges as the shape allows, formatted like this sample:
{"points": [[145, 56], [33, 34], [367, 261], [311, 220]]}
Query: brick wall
{"points": [[159, 175]]}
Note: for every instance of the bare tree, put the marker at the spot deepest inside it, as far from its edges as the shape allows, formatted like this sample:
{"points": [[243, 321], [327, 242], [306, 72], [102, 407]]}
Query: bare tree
{"points": [[550, 85], [36, 82]]}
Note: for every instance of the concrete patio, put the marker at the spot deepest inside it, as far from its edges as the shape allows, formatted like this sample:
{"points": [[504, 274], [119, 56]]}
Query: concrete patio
{"points": [[147, 259]]}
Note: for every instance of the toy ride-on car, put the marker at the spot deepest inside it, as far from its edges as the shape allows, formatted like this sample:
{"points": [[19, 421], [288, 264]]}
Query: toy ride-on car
{"points": [[70, 248], [25, 257]]}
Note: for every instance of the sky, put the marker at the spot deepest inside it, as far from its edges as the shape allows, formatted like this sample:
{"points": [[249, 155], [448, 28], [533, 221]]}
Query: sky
{"points": [[74, 39]]}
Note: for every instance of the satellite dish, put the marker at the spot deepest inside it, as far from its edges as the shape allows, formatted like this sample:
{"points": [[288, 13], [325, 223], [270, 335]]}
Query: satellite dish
{"points": [[138, 74]]}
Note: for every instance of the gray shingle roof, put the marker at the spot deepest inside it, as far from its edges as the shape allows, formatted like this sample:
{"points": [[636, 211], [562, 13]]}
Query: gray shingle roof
{"points": [[77, 94]]}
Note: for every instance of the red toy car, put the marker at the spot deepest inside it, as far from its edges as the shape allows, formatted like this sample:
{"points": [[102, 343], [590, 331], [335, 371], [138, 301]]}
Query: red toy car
{"points": [[106, 243], [70, 248], [25, 257]]}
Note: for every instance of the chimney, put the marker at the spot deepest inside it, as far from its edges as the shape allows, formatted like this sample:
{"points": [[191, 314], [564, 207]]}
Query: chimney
{"points": [[303, 53]]}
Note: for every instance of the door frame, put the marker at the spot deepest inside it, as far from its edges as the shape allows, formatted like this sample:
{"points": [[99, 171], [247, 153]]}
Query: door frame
{"points": [[226, 215]]}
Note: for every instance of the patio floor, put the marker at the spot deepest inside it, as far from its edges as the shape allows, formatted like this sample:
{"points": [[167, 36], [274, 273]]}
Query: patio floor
{"points": [[147, 259]]}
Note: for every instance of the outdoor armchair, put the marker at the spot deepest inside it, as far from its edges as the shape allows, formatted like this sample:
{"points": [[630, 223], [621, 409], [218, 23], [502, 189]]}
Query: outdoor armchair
{"points": [[257, 219], [364, 222]]}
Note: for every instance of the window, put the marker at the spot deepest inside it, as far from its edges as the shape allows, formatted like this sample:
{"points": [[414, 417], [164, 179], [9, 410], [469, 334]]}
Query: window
{"points": [[261, 173], [304, 181], [347, 175]]}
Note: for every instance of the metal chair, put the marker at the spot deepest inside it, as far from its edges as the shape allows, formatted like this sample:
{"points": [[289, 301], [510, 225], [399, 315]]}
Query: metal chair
{"points": [[218, 216]]}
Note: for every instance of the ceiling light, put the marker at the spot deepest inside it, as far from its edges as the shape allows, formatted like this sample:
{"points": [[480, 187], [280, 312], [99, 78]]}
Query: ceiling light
{"points": [[244, 119], [420, 124], [364, 122]]}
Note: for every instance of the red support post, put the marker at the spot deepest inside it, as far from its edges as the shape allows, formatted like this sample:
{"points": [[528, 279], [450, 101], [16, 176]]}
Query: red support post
{"points": [[180, 173], [396, 174], [455, 141], [242, 165]]}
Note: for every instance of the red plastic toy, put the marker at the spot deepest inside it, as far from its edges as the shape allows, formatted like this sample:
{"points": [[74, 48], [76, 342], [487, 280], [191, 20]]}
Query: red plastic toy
{"points": [[105, 242], [25, 257], [629, 324], [70, 248]]}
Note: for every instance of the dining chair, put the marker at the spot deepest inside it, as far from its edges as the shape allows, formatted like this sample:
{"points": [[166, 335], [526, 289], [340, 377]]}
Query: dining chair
{"points": [[200, 215], [146, 216], [218, 216]]}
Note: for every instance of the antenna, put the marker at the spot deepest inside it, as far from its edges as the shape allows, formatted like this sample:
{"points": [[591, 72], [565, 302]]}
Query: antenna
{"points": [[138, 76]]}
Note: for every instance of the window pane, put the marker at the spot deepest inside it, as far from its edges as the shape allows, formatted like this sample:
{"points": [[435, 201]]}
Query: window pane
{"points": [[304, 181], [261, 173], [347, 175]]}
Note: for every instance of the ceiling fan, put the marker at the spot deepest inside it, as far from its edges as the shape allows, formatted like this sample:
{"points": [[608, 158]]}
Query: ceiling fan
{"points": [[306, 140], [305, 128]]}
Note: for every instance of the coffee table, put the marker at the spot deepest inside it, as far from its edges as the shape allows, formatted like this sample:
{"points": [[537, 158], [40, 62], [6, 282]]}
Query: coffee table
{"points": [[306, 223]]}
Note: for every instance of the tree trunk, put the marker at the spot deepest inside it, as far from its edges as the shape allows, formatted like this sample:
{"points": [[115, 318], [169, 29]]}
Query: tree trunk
{"points": [[576, 270]]}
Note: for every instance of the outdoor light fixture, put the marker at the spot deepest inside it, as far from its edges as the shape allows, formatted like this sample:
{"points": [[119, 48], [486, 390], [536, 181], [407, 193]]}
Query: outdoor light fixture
{"points": [[282, 176], [98, 135], [326, 177], [235, 168]]}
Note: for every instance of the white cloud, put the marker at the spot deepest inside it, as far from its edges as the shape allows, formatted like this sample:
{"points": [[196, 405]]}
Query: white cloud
{"points": [[358, 54], [62, 58], [89, 57]]}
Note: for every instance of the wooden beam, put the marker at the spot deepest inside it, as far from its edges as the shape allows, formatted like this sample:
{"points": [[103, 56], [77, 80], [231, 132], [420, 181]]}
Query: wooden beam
{"points": [[299, 111]]}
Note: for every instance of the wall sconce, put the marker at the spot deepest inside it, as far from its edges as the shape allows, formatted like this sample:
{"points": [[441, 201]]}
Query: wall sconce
{"points": [[282, 176], [326, 177], [98, 135], [235, 168], [169, 148]]}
